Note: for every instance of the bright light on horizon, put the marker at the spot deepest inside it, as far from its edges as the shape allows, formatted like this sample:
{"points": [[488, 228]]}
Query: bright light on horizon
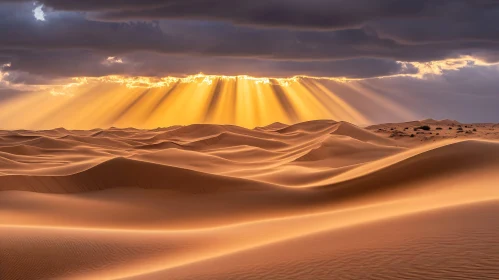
{"points": [[144, 103]]}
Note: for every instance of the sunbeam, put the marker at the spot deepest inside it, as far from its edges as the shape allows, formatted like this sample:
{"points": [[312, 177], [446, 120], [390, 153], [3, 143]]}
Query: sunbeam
{"points": [[145, 102]]}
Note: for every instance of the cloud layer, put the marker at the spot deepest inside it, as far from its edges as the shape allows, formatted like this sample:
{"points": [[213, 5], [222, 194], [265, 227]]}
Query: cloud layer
{"points": [[318, 37]]}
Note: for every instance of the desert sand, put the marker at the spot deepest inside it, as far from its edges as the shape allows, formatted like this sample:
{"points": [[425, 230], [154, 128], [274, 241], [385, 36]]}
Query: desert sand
{"points": [[314, 200]]}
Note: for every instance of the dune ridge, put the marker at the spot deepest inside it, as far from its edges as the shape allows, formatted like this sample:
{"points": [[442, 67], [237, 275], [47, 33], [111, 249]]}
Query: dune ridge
{"points": [[314, 200]]}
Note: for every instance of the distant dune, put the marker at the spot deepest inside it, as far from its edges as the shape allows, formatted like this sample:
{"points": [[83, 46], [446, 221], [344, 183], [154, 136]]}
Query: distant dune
{"points": [[313, 200]]}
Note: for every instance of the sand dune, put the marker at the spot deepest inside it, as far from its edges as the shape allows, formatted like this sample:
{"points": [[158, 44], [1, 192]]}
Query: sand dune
{"points": [[310, 126], [273, 126], [334, 146], [122, 172], [400, 248], [314, 200]]}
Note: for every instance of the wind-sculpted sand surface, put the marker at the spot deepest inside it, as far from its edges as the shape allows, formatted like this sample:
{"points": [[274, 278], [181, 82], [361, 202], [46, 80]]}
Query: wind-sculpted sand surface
{"points": [[314, 200]]}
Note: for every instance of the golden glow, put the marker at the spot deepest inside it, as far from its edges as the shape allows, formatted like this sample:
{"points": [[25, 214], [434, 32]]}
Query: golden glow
{"points": [[145, 102], [149, 102], [150, 82]]}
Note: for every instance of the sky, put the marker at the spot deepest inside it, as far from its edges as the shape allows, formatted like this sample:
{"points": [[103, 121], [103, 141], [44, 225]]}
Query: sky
{"points": [[363, 61]]}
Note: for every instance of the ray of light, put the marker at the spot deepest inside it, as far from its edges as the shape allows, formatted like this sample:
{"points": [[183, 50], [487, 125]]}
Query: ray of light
{"points": [[214, 99], [167, 92], [285, 103], [337, 106], [145, 102], [121, 114], [365, 91]]}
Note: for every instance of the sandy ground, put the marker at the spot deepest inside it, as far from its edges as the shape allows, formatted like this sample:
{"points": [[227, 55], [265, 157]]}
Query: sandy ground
{"points": [[314, 200]]}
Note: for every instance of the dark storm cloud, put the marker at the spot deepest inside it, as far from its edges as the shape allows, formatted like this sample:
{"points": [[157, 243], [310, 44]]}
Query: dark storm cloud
{"points": [[152, 64], [39, 67], [344, 38], [50, 67], [296, 13], [72, 31], [321, 14], [22, 31], [483, 26]]}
